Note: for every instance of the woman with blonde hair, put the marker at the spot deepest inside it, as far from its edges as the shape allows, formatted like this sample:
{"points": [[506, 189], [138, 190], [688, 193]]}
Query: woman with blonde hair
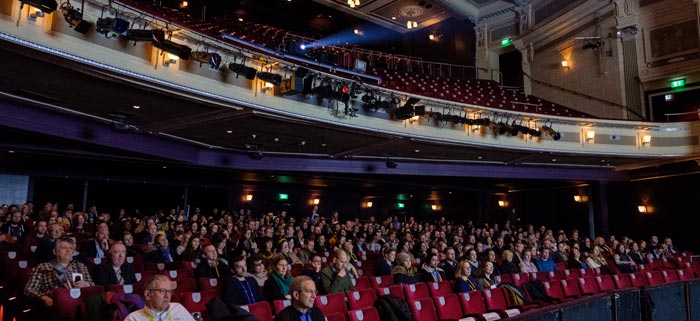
{"points": [[465, 281]]}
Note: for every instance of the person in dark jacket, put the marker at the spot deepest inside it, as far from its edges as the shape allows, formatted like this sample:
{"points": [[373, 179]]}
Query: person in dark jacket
{"points": [[241, 289], [403, 272], [114, 270], [277, 284], [303, 293], [386, 263]]}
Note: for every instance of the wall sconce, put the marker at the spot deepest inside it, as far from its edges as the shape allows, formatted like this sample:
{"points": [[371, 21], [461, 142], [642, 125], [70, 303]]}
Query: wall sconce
{"points": [[646, 140], [316, 201], [580, 198], [590, 136], [169, 59], [642, 209], [369, 204], [565, 65], [502, 203], [434, 207], [248, 197]]}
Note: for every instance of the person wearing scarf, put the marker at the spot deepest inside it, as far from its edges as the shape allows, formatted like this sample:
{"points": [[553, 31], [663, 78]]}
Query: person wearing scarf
{"points": [[277, 285], [465, 282], [430, 272]]}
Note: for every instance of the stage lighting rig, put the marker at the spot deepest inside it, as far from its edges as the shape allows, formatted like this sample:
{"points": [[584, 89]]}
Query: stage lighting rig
{"points": [[75, 18], [112, 27], [46, 6], [152, 35]]}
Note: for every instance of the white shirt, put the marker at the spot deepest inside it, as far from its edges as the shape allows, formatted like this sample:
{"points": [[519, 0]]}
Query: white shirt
{"points": [[176, 312]]}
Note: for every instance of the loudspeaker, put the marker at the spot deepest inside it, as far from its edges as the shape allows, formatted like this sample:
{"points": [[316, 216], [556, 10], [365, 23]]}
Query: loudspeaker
{"points": [[301, 72]]}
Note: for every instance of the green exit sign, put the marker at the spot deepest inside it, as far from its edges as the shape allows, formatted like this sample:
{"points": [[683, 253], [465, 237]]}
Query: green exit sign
{"points": [[400, 205], [506, 42], [678, 83], [282, 196]]}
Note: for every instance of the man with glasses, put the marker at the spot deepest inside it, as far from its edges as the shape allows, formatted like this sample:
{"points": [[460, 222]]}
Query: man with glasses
{"points": [[158, 306], [242, 289], [44, 251], [313, 269], [338, 276], [303, 291], [60, 272]]}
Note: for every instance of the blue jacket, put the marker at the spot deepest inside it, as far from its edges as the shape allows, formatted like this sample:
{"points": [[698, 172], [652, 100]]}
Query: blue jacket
{"points": [[545, 265]]}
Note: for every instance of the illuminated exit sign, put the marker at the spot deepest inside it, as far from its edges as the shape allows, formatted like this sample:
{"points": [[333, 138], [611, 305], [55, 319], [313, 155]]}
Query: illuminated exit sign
{"points": [[506, 42], [678, 83]]}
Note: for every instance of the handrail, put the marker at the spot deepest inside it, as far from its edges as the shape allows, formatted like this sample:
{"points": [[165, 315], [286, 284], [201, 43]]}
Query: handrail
{"points": [[575, 93]]}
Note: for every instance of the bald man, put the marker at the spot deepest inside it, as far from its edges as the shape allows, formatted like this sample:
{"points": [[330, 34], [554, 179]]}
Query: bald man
{"points": [[115, 269]]}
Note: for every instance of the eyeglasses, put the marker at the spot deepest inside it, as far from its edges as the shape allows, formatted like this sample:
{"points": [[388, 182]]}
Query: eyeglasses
{"points": [[161, 291]]}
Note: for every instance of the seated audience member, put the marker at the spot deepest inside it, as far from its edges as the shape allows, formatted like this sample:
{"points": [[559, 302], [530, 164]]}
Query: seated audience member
{"points": [[313, 269], [211, 266], [193, 250], [96, 247], [560, 255], [60, 272], [403, 272], [16, 227], [465, 281], [596, 260], [491, 257], [575, 260], [307, 250], [257, 269], [623, 261], [526, 264], [289, 255], [162, 253], [670, 247], [473, 258], [241, 288], [634, 253], [131, 248], [430, 272], [277, 284], [337, 277], [385, 263], [303, 293], [449, 263], [485, 279], [114, 270], [507, 264], [158, 293], [44, 251], [36, 236], [545, 263]]}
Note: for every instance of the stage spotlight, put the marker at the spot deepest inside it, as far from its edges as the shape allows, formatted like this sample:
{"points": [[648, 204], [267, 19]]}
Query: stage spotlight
{"points": [[272, 78], [213, 59], [46, 6], [112, 27], [242, 69], [408, 110], [75, 18], [152, 35], [551, 132], [302, 46], [182, 51]]}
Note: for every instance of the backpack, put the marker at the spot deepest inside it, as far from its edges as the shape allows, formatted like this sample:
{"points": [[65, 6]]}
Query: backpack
{"points": [[392, 308]]}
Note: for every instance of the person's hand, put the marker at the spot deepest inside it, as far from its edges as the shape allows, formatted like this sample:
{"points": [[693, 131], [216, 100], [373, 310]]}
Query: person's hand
{"points": [[81, 284], [48, 301]]}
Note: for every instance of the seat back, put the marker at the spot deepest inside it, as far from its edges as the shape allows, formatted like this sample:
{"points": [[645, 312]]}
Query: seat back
{"points": [[361, 283], [587, 285], [381, 281], [670, 275], [503, 278], [136, 288], [570, 288], [366, 314], [145, 275], [520, 278], [553, 289], [261, 309], [538, 276], [494, 299], [67, 301], [181, 286], [472, 302], [209, 284], [279, 305], [332, 303], [686, 274], [604, 283], [441, 288], [423, 309], [654, 277], [396, 289], [360, 299], [196, 301], [621, 281], [555, 275], [448, 307], [637, 280], [416, 291], [571, 274]]}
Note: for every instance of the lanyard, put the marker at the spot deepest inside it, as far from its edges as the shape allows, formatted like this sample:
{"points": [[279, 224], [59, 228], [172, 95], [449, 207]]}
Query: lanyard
{"points": [[150, 318]]}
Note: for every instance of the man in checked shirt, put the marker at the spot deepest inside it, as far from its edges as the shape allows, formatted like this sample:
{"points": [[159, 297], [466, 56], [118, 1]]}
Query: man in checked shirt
{"points": [[62, 271]]}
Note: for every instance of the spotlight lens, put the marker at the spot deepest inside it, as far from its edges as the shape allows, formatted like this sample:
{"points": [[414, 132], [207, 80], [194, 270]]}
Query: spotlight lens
{"points": [[303, 47]]}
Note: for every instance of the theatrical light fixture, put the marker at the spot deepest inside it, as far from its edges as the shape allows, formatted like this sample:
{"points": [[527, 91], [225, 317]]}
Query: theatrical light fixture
{"points": [[642, 209], [248, 197], [46, 6], [242, 69], [213, 59], [182, 51], [590, 136], [316, 201], [353, 3], [369, 204], [112, 27], [551, 132], [565, 65], [75, 18], [646, 140], [269, 77]]}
